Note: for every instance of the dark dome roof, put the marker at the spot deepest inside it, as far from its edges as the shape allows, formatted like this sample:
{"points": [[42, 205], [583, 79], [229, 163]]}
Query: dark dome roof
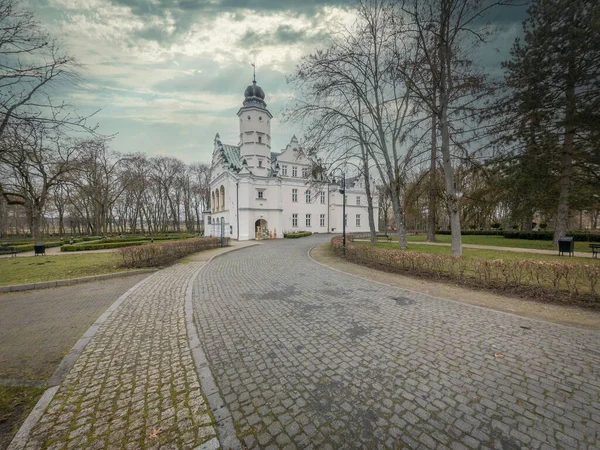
{"points": [[254, 90], [254, 94]]}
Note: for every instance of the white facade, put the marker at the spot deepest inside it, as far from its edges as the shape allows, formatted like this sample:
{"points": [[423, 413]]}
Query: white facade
{"points": [[256, 193]]}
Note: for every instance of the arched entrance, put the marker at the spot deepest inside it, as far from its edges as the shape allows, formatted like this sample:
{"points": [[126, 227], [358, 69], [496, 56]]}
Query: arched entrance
{"points": [[260, 229]]}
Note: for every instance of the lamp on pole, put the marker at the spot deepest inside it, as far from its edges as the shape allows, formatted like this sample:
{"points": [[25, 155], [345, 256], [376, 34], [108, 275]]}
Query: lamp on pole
{"points": [[343, 192]]}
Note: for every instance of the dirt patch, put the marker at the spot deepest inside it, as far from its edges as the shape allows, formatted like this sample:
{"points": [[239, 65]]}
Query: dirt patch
{"points": [[566, 315]]}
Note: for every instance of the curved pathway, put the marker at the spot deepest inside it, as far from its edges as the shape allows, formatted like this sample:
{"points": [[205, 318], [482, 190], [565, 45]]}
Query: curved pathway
{"points": [[135, 384], [308, 357]]}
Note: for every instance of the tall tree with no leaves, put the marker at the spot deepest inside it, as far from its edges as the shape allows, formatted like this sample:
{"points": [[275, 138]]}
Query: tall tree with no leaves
{"points": [[352, 99], [446, 83]]}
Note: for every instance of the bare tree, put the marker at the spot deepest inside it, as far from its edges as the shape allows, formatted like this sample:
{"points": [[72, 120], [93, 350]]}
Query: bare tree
{"points": [[351, 95], [446, 83], [34, 160], [32, 65], [96, 182]]}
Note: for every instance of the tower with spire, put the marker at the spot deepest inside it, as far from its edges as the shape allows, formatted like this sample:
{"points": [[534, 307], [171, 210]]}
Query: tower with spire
{"points": [[255, 130]]}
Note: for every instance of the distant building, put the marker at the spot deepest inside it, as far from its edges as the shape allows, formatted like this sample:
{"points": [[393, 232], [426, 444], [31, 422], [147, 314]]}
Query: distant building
{"points": [[257, 194]]}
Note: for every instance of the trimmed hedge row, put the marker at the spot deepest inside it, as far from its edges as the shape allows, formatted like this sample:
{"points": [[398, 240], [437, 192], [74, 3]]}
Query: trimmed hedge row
{"points": [[530, 235], [101, 246], [299, 234], [548, 235], [30, 248], [474, 232], [156, 255], [543, 280]]}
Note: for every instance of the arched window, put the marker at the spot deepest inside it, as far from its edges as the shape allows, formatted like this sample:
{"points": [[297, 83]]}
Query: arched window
{"points": [[222, 198], [218, 201], [212, 203]]}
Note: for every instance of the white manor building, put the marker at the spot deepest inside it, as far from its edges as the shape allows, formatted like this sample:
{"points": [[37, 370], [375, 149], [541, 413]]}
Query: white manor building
{"points": [[259, 194]]}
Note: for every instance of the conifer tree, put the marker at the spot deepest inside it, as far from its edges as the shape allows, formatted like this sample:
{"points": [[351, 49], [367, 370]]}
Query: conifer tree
{"points": [[554, 74]]}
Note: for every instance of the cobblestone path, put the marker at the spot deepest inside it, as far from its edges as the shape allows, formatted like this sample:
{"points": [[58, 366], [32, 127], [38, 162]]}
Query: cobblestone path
{"points": [[135, 385], [306, 357]]}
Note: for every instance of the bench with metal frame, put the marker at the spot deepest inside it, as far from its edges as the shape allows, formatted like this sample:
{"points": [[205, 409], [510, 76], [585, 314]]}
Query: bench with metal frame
{"points": [[6, 250], [595, 250], [384, 236]]}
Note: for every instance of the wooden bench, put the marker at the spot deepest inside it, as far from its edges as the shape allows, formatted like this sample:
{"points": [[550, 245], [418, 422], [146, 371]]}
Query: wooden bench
{"points": [[5, 250], [595, 250], [384, 236]]}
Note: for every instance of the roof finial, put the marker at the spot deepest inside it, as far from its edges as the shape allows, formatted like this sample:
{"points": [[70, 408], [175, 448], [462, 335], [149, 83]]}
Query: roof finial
{"points": [[254, 68]]}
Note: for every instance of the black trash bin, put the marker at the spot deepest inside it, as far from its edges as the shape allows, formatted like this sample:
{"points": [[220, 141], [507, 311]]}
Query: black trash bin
{"points": [[39, 248], [566, 244]]}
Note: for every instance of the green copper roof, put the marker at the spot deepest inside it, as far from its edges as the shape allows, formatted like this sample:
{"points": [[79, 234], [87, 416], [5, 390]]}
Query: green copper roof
{"points": [[232, 155]]}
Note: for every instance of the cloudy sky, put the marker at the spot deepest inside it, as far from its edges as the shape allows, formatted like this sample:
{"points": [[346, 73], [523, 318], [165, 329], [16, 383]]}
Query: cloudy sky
{"points": [[169, 74]]}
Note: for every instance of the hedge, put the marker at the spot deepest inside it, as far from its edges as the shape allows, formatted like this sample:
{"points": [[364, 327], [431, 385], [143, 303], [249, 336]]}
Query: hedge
{"points": [[164, 253], [296, 235], [549, 235], [473, 232], [545, 280], [99, 246], [530, 235], [30, 247]]}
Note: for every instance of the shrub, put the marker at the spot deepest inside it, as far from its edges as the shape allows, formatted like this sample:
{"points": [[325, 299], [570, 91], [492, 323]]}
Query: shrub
{"points": [[538, 279], [98, 246], [297, 234], [29, 247], [156, 255], [579, 236], [473, 232]]}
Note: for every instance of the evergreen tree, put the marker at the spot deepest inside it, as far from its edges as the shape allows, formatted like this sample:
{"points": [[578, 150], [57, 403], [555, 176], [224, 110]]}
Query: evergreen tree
{"points": [[554, 75]]}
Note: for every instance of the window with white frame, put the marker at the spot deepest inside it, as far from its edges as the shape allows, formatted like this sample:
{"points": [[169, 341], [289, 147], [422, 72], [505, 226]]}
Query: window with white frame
{"points": [[295, 220], [284, 171], [322, 220], [358, 220], [322, 197], [294, 195], [358, 200], [260, 193], [294, 171], [260, 163], [307, 194], [305, 172], [308, 220]]}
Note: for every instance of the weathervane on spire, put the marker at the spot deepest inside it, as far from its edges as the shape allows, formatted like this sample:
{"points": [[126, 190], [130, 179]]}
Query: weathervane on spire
{"points": [[254, 68]]}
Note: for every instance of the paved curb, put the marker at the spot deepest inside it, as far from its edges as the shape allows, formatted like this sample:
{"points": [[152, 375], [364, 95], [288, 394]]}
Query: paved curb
{"points": [[63, 369], [69, 360], [223, 419], [57, 283], [446, 299], [34, 416]]}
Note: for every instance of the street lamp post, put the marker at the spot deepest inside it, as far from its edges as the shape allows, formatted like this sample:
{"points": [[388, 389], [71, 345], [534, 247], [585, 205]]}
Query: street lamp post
{"points": [[343, 192], [343, 215]]}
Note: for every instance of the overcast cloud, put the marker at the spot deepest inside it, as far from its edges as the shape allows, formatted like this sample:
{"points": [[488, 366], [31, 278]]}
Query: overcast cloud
{"points": [[168, 75]]}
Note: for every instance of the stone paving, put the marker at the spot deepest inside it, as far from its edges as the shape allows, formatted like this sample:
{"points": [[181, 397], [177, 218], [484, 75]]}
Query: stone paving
{"points": [[135, 384], [38, 327], [307, 357]]}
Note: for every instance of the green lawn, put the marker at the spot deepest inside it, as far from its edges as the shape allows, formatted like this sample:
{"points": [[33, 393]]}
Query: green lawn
{"points": [[484, 253], [15, 405], [35, 269], [500, 241]]}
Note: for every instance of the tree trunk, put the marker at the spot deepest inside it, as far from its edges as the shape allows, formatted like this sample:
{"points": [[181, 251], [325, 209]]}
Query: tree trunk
{"points": [[36, 223], [445, 88], [562, 216], [399, 216], [432, 181], [365, 160]]}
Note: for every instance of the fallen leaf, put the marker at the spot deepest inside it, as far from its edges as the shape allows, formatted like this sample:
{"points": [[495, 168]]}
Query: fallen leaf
{"points": [[155, 433], [498, 355]]}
